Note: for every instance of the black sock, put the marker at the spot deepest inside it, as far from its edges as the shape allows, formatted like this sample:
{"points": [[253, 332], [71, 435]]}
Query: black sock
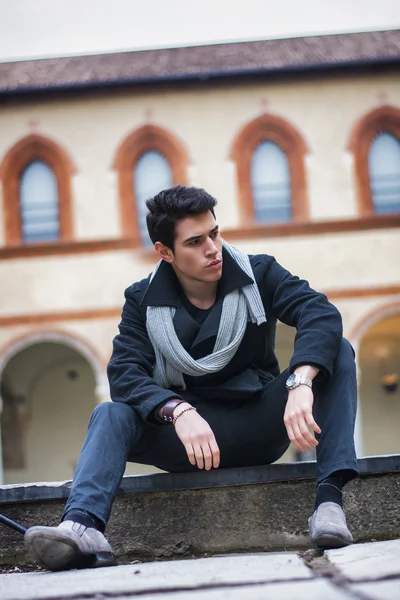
{"points": [[329, 490], [85, 518]]}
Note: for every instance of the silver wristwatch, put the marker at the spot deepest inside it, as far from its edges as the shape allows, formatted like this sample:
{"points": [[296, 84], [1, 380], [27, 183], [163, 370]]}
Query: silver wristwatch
{"points": [[295, 379]]}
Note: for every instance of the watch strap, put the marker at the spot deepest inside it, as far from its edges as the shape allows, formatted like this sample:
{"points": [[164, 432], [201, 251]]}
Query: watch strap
{"points": [[307, 381], [301, 380]]}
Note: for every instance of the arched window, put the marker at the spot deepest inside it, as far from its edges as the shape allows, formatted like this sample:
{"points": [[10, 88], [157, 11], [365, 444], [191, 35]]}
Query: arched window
{"points": [[152, 174], [384, 173], [148, 160], [375, 145], [270, 180], [269, 156], [39, 203], [36, 178]]}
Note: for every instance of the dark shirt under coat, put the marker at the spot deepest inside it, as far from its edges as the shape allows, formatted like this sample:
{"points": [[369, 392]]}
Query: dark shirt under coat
{"points": [[285, 297]]}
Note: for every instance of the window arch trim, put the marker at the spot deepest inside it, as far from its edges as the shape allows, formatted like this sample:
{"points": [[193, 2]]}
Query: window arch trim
{"points": [[276, 129], [144, 139], [30, 148], [383, 119]]}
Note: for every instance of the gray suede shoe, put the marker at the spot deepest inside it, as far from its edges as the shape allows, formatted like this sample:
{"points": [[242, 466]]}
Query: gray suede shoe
{"points": [[328, 527], [69, 546]]}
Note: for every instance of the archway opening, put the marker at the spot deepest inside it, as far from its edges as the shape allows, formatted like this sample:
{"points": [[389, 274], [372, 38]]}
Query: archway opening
{"points": [[379, 387], [48, 394]]}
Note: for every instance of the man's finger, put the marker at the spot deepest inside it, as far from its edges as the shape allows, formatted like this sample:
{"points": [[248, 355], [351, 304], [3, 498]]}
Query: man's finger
{"points": [[299, 440], [190, 453], [199, 455], [207, 456], [289, 430], [311, 423], [292, 435], [215, 453], [307, 435]]}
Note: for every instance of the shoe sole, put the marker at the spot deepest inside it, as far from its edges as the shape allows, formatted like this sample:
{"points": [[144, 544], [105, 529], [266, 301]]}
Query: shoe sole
{"points": [[328, 541], [57, 553]]}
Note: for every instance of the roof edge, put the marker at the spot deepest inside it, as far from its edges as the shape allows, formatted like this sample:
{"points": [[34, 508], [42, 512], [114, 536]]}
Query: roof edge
{"points": [[204, 76], [197, 45]]}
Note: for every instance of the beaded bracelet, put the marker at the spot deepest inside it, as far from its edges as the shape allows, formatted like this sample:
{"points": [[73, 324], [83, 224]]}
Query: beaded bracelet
{"points": [[181, 413]]}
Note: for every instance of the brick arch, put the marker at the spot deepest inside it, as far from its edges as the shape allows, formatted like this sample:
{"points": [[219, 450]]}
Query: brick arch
{"points": [[377, 314], [285, 135], [30, 148], [146, 138], [385, 118]]}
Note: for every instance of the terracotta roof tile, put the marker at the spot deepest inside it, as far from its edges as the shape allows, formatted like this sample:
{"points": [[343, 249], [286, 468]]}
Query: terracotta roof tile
{"points": [[201, 61]]}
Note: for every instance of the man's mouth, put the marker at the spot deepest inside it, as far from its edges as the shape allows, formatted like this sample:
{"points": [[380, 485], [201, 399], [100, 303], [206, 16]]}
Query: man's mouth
{"points": [[214, 264]]}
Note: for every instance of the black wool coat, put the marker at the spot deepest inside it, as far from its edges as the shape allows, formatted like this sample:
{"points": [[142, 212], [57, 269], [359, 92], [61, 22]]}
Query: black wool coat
{"points": [[285, 297]]}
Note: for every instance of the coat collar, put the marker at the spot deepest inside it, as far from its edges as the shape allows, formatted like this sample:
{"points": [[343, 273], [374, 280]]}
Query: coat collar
{"points": [[163, 290]]}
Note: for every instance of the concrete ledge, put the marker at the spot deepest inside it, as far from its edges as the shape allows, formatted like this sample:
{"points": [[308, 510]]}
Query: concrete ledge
{"points": [[249, 509], [167, 482]]}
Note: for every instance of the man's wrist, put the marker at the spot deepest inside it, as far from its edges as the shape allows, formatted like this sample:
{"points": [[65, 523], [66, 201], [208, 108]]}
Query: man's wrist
{"points": [[302, 375], [308, 371], [180, 407], [166, 411], [181, 410]]}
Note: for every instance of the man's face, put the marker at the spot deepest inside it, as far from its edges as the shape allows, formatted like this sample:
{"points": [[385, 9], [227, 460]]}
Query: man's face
{"points": [[197, 250]]}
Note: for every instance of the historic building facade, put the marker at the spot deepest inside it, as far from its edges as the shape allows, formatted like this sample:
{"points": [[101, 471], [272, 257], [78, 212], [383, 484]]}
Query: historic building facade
{"points": [[299, 140]]}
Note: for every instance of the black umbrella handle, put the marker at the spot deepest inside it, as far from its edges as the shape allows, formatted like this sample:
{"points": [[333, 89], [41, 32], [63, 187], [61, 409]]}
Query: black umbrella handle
{"points": [[12, 524]]}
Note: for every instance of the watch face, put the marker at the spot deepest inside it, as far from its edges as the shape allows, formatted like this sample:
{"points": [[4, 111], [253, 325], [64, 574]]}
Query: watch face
{"points": [[291, 380]]}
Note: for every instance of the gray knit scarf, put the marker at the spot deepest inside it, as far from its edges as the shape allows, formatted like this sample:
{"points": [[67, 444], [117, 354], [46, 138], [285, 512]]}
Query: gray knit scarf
{"points": [[172, 360]]}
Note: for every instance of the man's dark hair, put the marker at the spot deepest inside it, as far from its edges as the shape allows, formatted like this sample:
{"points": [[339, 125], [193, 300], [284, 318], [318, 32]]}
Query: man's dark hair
{"points": [[169, 206]]}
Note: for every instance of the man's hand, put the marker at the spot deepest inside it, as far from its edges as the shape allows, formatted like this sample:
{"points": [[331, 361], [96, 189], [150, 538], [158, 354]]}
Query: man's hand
{"points": [[299, 419], [197, 437]]}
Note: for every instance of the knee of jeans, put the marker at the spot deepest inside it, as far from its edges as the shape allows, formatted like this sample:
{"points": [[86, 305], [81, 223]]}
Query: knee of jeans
{"points": [[346, 356], [112, 410]]}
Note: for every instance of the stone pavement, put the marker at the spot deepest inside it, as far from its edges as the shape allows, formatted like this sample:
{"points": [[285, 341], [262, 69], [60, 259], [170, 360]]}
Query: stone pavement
{"points": [[368, 571]]}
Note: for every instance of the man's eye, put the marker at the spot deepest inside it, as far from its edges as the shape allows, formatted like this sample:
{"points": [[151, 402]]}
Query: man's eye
{"points": [[194, 243]]}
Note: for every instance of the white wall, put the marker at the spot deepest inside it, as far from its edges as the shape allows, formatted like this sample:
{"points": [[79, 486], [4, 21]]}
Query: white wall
{"points": [[206, 119]]}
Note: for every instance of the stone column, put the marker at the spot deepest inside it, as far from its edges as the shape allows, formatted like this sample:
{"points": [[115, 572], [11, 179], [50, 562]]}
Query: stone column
{"points": [[1, 447], [102, 390], [358, 436]]}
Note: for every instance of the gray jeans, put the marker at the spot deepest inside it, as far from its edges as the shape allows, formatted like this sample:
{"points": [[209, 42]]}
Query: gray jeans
{"points": [[248, 432]]}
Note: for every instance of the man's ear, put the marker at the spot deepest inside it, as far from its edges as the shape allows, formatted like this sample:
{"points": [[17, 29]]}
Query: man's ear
{"points": [[164, 252]]}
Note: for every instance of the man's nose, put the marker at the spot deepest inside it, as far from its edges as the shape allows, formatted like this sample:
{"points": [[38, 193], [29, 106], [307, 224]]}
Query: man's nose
{"points": [[211, 247]]}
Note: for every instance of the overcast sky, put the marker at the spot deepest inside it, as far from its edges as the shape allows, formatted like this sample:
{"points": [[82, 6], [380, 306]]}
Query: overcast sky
{"points": [[42, 28]]}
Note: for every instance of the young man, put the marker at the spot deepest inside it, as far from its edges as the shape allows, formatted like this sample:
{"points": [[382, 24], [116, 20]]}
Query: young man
{"points": [[195, 382]]}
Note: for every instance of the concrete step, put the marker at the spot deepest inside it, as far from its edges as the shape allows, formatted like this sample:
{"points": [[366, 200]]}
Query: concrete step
{"points": [[250, 509]]}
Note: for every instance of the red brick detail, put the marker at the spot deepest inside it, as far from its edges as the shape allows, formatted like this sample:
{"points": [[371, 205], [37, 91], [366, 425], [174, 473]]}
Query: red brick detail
{"points": [[385, 118], [30, 148], [144, 139], [285, 135]]}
